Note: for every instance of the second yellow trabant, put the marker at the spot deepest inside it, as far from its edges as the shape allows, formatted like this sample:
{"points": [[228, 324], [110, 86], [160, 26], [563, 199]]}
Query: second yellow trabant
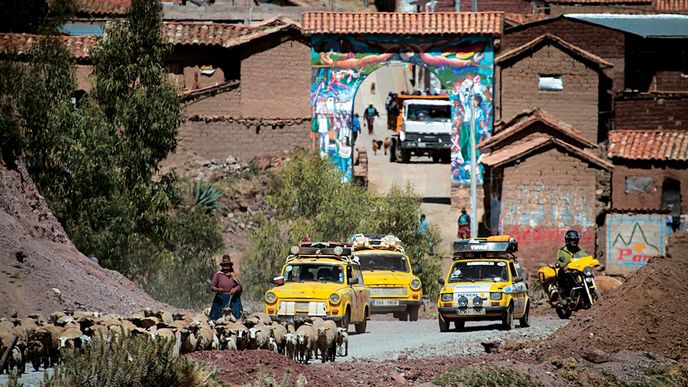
{"points": [[483, 283], [321, 279], [394, 286]]}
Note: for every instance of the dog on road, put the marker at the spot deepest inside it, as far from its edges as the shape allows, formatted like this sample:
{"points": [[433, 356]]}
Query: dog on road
{"points": [[379, 144]]}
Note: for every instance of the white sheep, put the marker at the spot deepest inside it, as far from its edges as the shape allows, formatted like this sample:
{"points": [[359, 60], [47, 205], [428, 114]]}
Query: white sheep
{"points": [[229, 341], [342, 342], [272, 345], [290, 344], [279, 332], [306, 338], [259, 337], [188, 341]]}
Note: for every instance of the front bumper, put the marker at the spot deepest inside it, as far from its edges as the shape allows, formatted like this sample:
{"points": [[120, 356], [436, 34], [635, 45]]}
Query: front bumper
{"points": [[422, 146], [401, 307], [490, 313], [290, 318]]}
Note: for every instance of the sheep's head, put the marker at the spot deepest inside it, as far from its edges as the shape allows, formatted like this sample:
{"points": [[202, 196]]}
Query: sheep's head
{"points": [[252, 333], [301, 338]]}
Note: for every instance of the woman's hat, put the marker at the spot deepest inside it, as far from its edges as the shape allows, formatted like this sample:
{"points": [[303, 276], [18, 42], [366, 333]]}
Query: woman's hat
{"points": [[226, 261]]}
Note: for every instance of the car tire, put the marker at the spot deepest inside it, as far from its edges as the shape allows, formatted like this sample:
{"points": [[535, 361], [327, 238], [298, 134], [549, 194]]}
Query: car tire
{"points": [[524, 322], [393, 151], [346, 319], [444, 324], [508, 318], [361, 327], [413, 312], [403, 316], [459, 325], [563, 314], [405, 156], [435, 158]]}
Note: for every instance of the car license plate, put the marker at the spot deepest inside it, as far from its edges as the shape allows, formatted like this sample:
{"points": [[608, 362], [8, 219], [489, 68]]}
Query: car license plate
{"points": [[385, 302], [471, 311], [422, 145]]}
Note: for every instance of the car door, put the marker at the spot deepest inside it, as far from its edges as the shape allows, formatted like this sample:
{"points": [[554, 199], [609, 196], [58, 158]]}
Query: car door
{"points": [[353, 300], [362, 293], [520, 292]]}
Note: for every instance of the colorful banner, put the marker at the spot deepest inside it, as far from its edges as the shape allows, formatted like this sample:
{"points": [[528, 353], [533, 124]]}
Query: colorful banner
{"points": [[464, 66], [632, 239]]}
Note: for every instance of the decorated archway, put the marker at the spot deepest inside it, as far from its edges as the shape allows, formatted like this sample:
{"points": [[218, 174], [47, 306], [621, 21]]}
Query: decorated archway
{"points": [[346, 48]]}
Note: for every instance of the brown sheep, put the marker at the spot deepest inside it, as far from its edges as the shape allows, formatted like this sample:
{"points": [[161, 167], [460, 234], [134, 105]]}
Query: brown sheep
{"points": [[327, 333], [279, 332]]}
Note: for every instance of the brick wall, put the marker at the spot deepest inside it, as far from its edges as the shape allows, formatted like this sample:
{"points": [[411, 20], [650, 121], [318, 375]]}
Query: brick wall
{"points": [[603, 42], [562, 9], [513, 6], [669, 81], [542, 197], [217, 140], [227, 103], [651, 200], [576, 104], [276, 79], [83, 80], [651, 112]]}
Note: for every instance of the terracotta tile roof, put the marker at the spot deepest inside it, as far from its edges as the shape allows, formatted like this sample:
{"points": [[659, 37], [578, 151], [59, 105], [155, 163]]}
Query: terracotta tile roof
{"points": [[534, 143], [524, 120], [671, 5], [422, 23], [556, 41], [222, 34], [597, 2], [102, 7], [667, 145], [517, 19], [79, 46]]}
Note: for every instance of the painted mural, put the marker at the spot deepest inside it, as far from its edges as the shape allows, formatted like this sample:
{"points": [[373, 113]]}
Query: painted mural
{"points": [[632, 239], [340, 64]]}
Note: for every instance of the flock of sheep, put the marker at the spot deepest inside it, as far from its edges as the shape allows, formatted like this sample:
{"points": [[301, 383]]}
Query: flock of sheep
{"points": [[40, 341]]}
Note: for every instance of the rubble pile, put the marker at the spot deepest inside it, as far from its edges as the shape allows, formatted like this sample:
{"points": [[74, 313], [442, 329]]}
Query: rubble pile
{"points": [[644, 314]]}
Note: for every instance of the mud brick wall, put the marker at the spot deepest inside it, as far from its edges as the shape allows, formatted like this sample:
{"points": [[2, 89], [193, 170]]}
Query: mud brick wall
{"points": [[651, 200], [576, 104], [514, 6], [276, 79], [226, 103], [651, 112], [541, 198], [219, 139], [669, 81], [561, 9], [603, 42]]}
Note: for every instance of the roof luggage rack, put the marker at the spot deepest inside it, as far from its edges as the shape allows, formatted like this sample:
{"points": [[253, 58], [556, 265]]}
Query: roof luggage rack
{"points": [[376, 241], [329, 250], [497, 246]]}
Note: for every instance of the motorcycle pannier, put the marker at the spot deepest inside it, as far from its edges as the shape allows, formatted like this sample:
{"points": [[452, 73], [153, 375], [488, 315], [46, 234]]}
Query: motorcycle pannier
{"points": [[546, 274]]}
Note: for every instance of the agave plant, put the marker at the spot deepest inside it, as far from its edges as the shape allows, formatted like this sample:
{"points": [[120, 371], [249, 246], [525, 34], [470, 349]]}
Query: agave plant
{"points": [[206, 196]]}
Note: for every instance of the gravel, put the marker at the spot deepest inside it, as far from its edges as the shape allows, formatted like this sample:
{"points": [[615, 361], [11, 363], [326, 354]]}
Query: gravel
{"points": [[29, 378]]}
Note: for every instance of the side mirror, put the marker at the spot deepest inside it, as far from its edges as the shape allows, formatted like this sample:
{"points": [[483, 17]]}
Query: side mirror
{"points": [[279, 281], [417, 270], [353, 281], [518, 279], [440, 281]]}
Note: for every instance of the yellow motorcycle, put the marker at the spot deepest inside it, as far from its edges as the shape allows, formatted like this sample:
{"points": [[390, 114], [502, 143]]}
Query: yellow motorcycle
{"points": [[571, 287]]}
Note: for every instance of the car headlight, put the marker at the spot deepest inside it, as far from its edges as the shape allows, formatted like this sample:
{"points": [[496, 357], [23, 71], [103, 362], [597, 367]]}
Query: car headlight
{"points": [[477, 301], [463, 301], [587, 271], [415, 284], [446, 297], [496, 296], [270, 297], [402, 135], [334, 298]]}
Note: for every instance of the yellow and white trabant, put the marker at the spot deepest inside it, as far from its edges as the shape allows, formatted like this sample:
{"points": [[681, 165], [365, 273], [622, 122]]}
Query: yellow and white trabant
{"points": [[321, 279], [483, 283], [394, 285]]}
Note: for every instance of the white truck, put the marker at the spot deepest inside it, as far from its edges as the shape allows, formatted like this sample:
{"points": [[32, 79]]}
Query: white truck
{"points": [[423, 128]]}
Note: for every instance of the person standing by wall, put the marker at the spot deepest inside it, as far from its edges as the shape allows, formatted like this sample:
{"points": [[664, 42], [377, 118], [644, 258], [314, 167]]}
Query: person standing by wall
{"points": [[355, 129], [227, 288], [370, 114], [464, 225]]}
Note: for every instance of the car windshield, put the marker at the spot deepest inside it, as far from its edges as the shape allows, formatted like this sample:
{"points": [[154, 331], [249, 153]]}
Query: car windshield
{"points": [[319, 272], [479, 271], [393, 262], [429, 113]]}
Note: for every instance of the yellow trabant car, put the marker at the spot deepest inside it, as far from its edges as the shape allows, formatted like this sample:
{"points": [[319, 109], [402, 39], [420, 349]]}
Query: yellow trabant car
{"points": [[320, 279], [483, 283], [394, 286]]}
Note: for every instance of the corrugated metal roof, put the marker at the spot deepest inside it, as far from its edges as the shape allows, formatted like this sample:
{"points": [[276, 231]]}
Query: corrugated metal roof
{"points": [[666, 145], [646, 26], [422, 23]]}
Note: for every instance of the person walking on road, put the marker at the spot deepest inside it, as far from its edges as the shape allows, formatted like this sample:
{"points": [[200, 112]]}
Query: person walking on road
{"points": [[370, 114], [464, 225], [423, 224], [227, 288]]}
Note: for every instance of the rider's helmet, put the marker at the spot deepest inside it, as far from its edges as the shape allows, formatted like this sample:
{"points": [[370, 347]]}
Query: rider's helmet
{"points": [[571, 238]]}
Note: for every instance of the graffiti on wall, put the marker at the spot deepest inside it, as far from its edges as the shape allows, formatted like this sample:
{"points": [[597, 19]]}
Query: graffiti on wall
{"points": [[632, 239], [539, 245], [537, 205], [340, 64]]}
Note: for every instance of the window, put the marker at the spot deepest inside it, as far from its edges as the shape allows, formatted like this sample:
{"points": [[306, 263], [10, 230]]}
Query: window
{"points": [[550, 83], [638, 184]]}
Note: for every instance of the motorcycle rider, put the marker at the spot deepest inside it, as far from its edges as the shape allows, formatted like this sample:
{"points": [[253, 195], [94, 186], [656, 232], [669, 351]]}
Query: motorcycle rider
{"points": [[564, 256]]}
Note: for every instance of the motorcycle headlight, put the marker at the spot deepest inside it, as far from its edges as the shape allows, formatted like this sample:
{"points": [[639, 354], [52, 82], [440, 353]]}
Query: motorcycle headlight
{"points": [[270, 297], [477, 301], [334, 298], [463, 301], [496, 296], [415, 284], [446, 297], [587, 271], [402, 135]]}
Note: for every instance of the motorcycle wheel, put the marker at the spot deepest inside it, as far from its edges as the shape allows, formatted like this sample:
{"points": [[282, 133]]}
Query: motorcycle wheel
{"points": [[563, 313], [523, 321]]}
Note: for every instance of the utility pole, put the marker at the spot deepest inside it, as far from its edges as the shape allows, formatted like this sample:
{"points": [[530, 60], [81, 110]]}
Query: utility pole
{"points": [[474, 178], [457, 5]]}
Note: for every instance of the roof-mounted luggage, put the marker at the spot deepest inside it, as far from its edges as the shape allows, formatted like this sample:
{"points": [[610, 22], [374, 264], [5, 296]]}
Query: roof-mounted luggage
{"points": [[376, 241], [329, 250], [493, 246]]}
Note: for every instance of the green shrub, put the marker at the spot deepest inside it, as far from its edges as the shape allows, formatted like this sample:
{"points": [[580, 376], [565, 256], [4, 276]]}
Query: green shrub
{"points": [[310, 200], [485, 376], [128, 361]]}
